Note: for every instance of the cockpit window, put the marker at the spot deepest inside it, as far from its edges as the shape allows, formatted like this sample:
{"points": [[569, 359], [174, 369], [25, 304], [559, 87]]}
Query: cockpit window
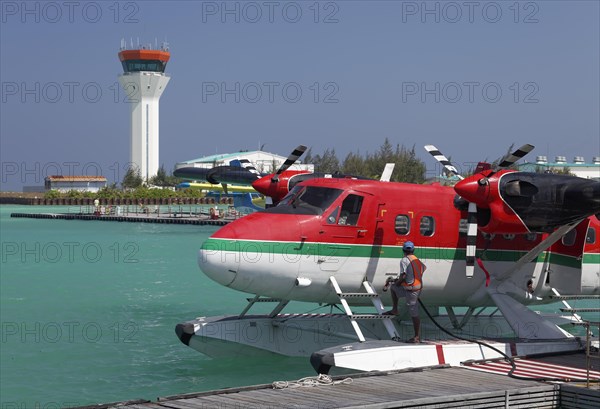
{"points": [[291, 194], [306, 200]]}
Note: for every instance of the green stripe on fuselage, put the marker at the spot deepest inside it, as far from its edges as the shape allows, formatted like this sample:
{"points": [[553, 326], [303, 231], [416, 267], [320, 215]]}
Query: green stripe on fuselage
{"points": [[359, 250], [591, 258]]}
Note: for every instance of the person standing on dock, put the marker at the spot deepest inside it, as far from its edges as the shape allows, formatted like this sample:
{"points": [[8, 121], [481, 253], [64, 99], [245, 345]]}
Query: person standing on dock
{"points": [[408, 284]]}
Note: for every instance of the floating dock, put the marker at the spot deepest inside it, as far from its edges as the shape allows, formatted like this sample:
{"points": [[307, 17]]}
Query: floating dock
{"points": [[212, 215], [431, 387], [164, 219]]}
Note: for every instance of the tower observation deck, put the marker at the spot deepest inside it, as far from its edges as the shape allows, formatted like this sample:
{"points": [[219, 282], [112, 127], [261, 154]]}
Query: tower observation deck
{"points": [[144, 81]]}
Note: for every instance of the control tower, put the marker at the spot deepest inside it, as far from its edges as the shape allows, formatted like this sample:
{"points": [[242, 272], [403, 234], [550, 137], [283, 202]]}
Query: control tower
{"points": [[144, 81]]}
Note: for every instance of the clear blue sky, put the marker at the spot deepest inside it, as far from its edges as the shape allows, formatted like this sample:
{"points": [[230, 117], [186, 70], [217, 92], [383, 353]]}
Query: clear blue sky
{"points": [[469, 77]]}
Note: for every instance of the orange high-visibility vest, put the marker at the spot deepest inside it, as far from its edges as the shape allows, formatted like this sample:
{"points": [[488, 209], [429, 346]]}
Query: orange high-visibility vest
{"points": [[417, 268]]}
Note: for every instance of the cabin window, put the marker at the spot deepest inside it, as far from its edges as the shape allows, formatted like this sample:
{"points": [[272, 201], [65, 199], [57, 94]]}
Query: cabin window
{"points": [[531, 236], [350, 210], [509, 236], [463, 226], [569, 238], [402, 224], [590, 237], [427, 226]]}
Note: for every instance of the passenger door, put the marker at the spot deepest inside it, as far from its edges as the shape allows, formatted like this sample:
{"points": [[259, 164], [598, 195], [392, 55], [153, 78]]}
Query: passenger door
{"points": [[343, 227]]}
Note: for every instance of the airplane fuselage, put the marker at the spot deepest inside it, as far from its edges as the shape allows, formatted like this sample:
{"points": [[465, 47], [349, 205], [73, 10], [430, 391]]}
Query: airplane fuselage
{"points": [[354, 230]]}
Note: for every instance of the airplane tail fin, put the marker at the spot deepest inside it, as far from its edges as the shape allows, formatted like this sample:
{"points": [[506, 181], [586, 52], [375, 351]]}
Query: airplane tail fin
{"points": [[245, 200]]}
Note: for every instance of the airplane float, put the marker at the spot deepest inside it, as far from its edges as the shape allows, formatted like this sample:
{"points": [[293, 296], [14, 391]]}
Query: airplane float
{"points": [[499, 238]]}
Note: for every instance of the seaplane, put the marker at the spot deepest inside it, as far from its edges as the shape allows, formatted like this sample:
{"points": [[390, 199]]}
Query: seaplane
{"points": [[243, 173], [499, 240]]}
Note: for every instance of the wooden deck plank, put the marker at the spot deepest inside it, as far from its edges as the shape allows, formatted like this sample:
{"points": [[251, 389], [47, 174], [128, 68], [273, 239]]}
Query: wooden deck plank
{"points": [[234, 400], [448, 387], [180, 404], [215, 401], [332, 396]]}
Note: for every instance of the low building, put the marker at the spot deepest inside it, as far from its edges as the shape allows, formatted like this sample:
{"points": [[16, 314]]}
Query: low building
{"points": [[264, 162], [578, 167], [79, 183]]}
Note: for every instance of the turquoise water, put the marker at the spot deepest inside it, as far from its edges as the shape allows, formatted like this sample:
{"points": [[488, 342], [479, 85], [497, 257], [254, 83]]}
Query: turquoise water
{"points": [[88, 312]]}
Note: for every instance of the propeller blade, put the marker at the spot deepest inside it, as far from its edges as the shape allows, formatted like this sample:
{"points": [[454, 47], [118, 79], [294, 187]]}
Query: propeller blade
{"points": [[471, 248], [224, 188], [511, 158], [246, 164], [300, 149], [387, 172], [439, 156]]}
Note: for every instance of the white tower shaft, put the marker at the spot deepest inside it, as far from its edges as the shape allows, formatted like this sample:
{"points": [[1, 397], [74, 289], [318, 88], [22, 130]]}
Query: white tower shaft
{"points": [[144, 89]]}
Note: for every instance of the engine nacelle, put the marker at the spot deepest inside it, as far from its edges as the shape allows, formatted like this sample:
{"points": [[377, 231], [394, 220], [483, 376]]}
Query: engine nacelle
{"points": [[519, 202]]}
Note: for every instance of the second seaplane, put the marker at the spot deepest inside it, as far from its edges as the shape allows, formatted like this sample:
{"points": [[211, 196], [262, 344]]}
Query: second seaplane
{"points": [[499, 238]]}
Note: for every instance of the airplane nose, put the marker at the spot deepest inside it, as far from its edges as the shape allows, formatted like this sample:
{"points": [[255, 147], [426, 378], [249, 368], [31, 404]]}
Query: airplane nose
{"points": [[219, 260]]}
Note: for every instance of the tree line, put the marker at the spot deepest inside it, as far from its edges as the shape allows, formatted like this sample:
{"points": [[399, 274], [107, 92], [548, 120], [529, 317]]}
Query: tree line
{"points": [[409, 168]]}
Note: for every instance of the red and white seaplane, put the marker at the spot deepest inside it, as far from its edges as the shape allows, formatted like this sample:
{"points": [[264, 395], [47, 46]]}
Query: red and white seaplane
{"points": [[499, 239]]}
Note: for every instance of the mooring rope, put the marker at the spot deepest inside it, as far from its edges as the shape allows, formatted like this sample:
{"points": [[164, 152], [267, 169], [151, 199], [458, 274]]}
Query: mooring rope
{"points": [[310, 382]]}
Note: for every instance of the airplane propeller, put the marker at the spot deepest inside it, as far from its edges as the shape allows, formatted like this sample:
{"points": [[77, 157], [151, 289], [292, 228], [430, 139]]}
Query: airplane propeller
{"points": [[511, 158], [472, 210], [269, 185], [507, 161], [291, 159]]}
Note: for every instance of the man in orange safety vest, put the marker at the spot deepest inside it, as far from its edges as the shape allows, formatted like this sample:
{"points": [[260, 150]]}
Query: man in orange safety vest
{"points": [[408, 284]]}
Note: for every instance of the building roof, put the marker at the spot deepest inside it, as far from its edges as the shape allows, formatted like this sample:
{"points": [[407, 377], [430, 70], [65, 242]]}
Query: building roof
{"points": [[61, 178], [143, 54], [561, 164], [230, 156]]}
